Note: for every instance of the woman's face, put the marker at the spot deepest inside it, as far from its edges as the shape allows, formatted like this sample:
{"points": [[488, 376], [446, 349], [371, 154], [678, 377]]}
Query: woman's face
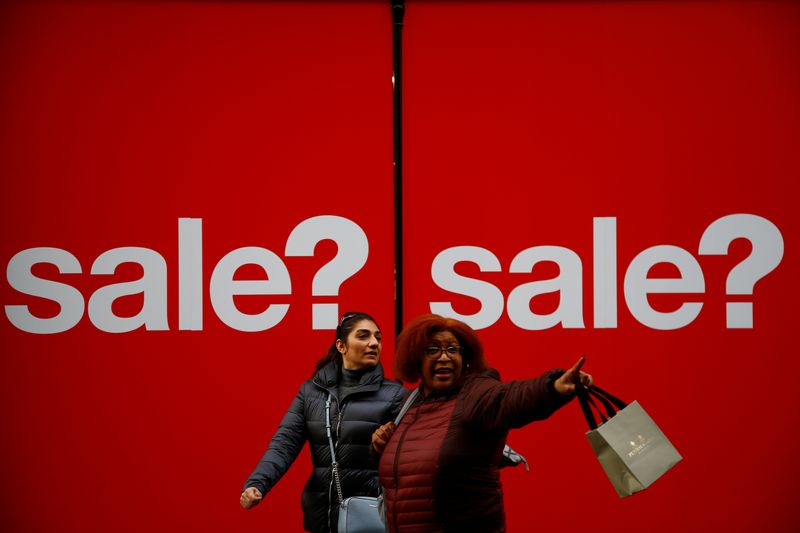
{"points": [[440, 369], [362, 348]]}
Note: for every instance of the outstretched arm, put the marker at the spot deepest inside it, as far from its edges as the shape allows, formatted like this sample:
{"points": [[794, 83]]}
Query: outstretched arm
{"points": [[283, 450], [493, 405]]}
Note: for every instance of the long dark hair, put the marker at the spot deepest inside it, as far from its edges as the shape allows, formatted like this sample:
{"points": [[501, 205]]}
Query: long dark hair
{"points": [[346, 325]]}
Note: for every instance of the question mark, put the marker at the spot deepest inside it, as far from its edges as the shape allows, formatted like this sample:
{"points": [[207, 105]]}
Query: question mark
{"points": [[353, 249], [767, 253]]}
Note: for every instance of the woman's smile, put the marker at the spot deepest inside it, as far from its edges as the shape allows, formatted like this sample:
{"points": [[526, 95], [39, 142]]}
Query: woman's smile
{"points": [[441, 371]]}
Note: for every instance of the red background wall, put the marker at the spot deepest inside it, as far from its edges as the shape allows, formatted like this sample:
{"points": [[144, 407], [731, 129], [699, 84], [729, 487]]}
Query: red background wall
{"points": [[523, 121]]}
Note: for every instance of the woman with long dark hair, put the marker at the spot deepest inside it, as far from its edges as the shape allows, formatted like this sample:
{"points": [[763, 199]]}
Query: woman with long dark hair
{"points": [[352, 376]]}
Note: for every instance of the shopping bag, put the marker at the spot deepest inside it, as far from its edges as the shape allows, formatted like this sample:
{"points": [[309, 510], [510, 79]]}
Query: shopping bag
{"points": [[630, 447]]}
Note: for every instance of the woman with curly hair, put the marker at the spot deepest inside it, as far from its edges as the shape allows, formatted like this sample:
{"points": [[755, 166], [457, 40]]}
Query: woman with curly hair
{"points": [[439, 468]]}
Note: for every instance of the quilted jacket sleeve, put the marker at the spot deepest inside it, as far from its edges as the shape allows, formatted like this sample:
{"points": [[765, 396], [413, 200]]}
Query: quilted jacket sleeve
{"points": [[283, 449], [493, 405]]}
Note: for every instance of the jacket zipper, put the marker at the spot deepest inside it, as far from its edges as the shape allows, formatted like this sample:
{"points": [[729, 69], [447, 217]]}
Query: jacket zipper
{"points": [[335, 445], [338, 426]]}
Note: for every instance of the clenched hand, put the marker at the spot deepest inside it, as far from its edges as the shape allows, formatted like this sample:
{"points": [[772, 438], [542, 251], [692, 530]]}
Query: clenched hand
{"points": [[382, 436], [250, 498]]}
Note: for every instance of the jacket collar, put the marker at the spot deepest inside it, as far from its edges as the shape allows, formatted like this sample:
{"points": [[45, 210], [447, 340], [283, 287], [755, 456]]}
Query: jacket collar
{"points": [[327, 377]]}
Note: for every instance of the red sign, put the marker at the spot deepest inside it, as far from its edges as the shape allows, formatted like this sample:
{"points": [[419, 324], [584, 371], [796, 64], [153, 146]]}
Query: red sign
{"points": [[193, 192]]}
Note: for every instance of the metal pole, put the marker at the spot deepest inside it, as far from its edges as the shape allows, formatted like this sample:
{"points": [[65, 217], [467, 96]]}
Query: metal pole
{"points": [[398, 10]]}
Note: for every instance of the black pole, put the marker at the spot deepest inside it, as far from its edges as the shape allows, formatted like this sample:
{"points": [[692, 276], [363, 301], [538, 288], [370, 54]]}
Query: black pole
{"points": [[398, 10]]}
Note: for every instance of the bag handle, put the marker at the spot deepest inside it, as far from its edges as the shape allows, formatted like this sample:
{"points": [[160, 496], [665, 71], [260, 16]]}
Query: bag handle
{"points": [[611, 403], [586, 402], [583, 401], [603, 418], [598, 392], [610, 411]]}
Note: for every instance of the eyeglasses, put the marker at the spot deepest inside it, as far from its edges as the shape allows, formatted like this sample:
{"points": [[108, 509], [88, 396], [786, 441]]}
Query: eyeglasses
{"points": [[434, 352]]}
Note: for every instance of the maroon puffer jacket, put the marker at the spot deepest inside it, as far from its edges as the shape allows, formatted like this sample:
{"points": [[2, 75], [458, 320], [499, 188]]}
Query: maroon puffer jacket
{"points": [[440, 468]]}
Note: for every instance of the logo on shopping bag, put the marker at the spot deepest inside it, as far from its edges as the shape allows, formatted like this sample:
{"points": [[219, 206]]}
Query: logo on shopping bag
{"points": [[638, 448]]}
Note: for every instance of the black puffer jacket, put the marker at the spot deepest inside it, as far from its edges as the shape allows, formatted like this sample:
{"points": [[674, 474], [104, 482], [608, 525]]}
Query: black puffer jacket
{"points": [[354, 418]]}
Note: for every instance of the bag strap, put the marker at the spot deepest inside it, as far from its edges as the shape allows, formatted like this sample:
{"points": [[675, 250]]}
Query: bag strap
{"points": [[334, 465], [603, 418], [610, 411], [598, 392], [406, 406], [583, 400], [611, 403]]}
